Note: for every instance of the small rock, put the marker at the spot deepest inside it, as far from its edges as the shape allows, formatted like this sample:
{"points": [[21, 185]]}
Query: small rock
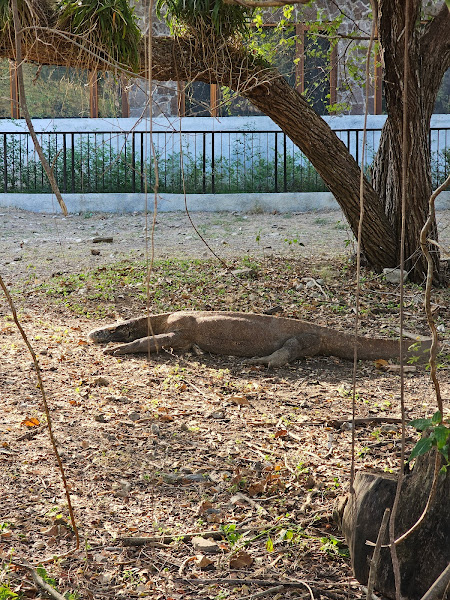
{"points": [[155, 429], [195, 477], [134, 416], [101, 382], [40, 545], [441, 328], [171, 478], [205, 546], [389, 428], [95, 252], [217, 414], [117, 399], [347, 426], [394, 275], [100, 418], [122, 489], [246, 272]]}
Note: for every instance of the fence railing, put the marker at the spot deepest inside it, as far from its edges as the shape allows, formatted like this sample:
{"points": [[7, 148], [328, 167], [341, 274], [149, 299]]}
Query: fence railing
{"points": [[196, 162]]}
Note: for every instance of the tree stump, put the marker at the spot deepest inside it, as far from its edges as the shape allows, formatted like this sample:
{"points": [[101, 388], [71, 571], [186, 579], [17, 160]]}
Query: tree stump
{"points": [[423, 555]]}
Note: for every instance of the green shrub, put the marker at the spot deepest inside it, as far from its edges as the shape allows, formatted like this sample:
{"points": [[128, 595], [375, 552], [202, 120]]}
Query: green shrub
{"points": [[102, 166]]}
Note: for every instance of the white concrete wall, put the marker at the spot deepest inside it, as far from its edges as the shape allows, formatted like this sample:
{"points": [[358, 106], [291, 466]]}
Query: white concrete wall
{"points": [[127, 203], [175, 124], [284, 202]]}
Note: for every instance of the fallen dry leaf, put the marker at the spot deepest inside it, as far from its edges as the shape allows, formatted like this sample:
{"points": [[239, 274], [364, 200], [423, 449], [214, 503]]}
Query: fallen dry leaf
{"points": [[381, 363], [241, 560], [165, 418], [281, 433], [256, 488], [203, 562], [238, 399], [203, 507], [31, 422]]}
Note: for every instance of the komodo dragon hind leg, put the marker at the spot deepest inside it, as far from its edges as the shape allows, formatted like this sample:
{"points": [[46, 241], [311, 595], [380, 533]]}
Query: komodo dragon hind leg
{"points": [[176, 340], [293, 348]]}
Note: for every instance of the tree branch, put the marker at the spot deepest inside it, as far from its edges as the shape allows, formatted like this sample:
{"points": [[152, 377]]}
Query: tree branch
{"points": [[24, 108], [435, 48]]}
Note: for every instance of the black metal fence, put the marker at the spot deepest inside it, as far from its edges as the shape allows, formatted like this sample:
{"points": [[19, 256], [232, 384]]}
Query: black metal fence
{"points": [[195, 162]]}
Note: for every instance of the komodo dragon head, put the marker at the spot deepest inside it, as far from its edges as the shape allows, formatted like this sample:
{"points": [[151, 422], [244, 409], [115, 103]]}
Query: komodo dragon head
{"points": [[122, 332]]}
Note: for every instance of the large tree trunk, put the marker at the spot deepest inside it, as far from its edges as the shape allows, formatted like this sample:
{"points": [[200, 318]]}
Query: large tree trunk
{"points": [[334, 163], [387, 182], [426, 69]]}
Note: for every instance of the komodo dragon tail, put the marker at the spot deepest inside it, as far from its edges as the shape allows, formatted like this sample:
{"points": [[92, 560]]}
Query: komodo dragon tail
{"points": [[374, 348]]}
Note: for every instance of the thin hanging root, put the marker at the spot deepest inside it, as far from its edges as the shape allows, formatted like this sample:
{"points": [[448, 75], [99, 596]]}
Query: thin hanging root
{"points": [[48, 416]]}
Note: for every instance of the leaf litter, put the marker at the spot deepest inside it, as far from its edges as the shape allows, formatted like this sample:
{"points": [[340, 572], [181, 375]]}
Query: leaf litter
{"points": [[249, 461]]}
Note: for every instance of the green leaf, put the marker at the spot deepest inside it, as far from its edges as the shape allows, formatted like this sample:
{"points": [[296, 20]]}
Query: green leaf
{"points": [[7, 594], [269, 545], [437, 418], [420, 448], [420, 424], [441, 433]]}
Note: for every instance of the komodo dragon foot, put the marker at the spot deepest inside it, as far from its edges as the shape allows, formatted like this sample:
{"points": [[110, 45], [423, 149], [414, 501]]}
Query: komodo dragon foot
{"points": [[292, 349], [152, 344]]}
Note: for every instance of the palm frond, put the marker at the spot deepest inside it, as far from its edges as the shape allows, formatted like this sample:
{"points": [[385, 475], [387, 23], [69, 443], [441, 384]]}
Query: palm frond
{"points": [[110, 26], [223, 19]]}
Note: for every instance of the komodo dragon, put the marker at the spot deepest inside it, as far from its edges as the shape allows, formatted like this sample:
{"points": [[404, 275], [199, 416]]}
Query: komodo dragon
{"points": [[274, 341]]}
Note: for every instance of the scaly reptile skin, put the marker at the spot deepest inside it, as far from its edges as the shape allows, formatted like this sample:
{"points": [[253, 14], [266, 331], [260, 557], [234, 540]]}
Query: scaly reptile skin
{"points": [[274, 341]]}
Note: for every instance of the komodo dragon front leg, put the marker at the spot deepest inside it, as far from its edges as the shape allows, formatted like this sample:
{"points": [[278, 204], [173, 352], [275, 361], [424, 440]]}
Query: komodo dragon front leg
{"points": [[292, 349], [175, 340]]}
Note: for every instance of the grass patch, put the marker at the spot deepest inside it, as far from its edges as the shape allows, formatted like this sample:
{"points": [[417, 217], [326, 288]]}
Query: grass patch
{"points": [[173, 285]]}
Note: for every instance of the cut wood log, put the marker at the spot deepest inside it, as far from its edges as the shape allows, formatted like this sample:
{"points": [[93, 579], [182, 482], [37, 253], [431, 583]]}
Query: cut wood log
{"points": [[425, 553]]}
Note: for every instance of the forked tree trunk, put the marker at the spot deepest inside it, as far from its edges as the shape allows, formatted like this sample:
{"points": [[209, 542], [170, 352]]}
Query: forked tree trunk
{"points": [[387, 182], [426, 68]]}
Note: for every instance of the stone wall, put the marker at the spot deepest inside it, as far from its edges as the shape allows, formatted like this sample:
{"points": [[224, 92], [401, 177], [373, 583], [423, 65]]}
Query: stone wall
{"points": [[165, 96], [349, 92]]}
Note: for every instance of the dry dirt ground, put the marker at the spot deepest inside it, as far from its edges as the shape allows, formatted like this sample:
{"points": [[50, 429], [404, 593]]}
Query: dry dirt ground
{"points": [[185, 445]]}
